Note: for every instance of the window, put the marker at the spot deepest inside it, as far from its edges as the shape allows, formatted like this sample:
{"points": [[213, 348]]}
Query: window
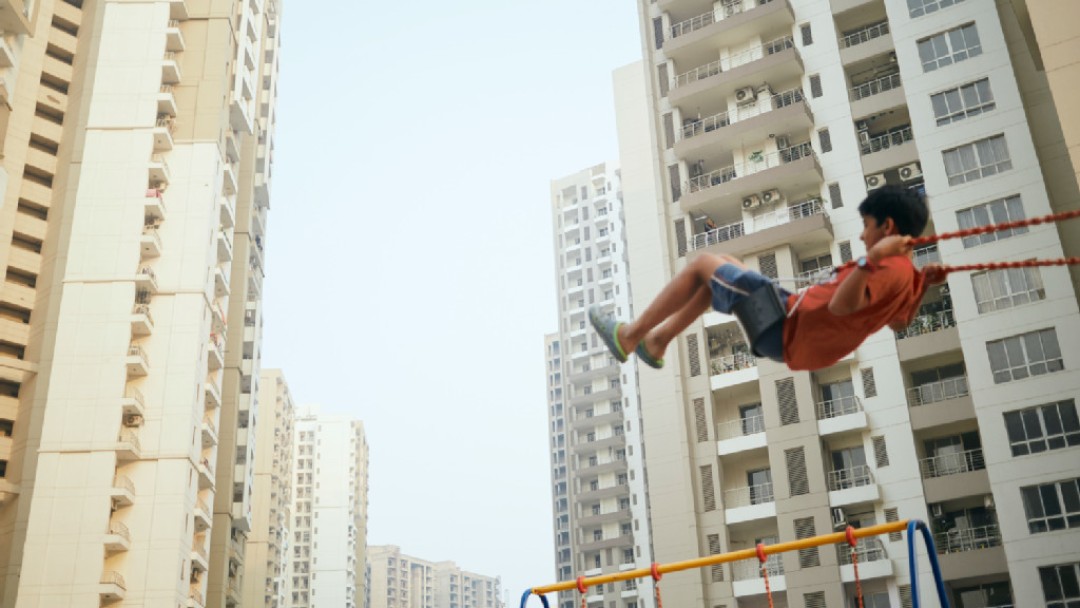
{"points": [[1045, 427], [1031, 354], [918, 8], [1002, 210], [961, 102], [807, 35], [825, 140], [1061, 585], [977, 160], [752, 419], [949, 47], [815, 86], [1052, 506], [1008, 287]]}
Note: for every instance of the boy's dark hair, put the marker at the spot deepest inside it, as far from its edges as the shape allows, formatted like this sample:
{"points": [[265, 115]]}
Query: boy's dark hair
{"points": [[905, 206]]}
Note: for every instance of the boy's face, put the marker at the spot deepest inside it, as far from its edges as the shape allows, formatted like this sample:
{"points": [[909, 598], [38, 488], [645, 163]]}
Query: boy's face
{"points": [[874, 232]]}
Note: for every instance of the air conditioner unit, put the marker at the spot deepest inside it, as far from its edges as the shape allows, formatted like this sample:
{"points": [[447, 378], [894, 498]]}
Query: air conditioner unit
{"points": [[782, 142], [910, 171], [745, 95], [864, 138], [764, 91], [861, 125], [133, 420], [838, 517], [937, 510], [751, 201], [772, 196], [875, 181]]}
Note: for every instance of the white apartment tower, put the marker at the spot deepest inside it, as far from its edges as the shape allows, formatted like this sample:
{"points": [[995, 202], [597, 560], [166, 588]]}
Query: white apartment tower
{"points": [[402, 581], [128, 188], [599, 500], [267, 573], [329, 511], [773, 119]]}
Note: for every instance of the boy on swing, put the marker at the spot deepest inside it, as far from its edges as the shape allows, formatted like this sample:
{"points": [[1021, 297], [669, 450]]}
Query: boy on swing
{"points": [[825, 323]]}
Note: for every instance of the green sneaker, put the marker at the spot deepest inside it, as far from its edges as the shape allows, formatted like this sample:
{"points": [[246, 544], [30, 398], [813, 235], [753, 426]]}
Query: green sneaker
{"points": [[609, 332]]}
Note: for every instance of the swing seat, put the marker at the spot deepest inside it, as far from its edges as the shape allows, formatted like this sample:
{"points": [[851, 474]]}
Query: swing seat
{"points": [[759, 312]]}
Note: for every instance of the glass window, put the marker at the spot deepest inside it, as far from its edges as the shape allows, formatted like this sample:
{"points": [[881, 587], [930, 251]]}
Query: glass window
{"points": [[977, 160], [752, 418], [1044, 427], [956, 104], [1052, 506], [918, 8], [1007, 287], [1008, 209], [1031, 354], [949, 47], [1061, 585]]}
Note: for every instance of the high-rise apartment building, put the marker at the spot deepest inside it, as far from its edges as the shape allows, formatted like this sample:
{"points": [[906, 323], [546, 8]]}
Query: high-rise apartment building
{"points": [[402, 581], [598, 476], [330, 510], [760, 126], [133, 183], [267, 575]]}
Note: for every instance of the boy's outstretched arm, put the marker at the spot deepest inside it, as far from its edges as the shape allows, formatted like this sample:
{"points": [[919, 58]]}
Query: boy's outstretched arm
{"points": [[852, 295]]}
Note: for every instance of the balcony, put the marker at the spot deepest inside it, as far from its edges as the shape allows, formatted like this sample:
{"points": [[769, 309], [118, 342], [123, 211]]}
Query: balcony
{"points": [[213, 395], [127, 446], [777, 113], [749, 580], [203, 516], [209, 433], [803, 221], [605, 518], [731, 370], [215, 353], [795, 167], [154, 205], [163, 130], [224, 247], [774, 61], [166, 101], [939, 403], [133, 402], [865, 42], [195, 598], [929, 333], [170, 68], [586, 422], [142, 322], [112, 587], [118, 538], [740, 435], [229, 185], [970, 552], [199, 559], [600, 493], [174, 38], [852, 486], [887, 150], [873, 561], [960, 540], [227, 213], [122, 492], [877, 95], [841, 415], [749, 503], [952, 464], [206, 474], [952, 476], [221, 283], [730, 20], [150, 242], [159, 170], [622, 541], [138, 363], [178, 9]]}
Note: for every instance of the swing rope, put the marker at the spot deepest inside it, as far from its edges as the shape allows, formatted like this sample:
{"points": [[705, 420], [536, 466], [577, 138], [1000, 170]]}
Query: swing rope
{"points": [[855, 563], [762, 557], [582, 589], [656, 584]]}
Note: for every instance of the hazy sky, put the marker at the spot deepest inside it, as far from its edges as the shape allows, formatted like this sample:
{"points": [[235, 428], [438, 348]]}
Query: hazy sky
{"points": [[410, 266]]}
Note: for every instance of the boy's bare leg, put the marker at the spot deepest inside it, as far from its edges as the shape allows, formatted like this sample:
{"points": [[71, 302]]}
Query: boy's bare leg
{"points": [[682, 292], [657, 340]]}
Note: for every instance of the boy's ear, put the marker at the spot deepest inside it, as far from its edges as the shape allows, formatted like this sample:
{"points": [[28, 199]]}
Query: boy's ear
{"points": [[889, 225]]}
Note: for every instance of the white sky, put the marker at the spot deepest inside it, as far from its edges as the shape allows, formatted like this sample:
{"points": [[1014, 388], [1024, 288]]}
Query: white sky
{"points": [[410, 265]]}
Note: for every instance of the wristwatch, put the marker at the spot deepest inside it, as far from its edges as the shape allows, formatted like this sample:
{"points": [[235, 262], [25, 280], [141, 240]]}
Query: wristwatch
{"points": [[864, 263]]}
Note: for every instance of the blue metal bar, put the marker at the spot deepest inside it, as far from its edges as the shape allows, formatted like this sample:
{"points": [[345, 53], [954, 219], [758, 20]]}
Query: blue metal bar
{"points": [[935, 567], [525, 599]]}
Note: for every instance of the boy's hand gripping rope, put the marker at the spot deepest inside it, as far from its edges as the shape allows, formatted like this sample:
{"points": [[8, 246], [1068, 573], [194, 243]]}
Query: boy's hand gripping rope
{"points": [[855, 563], [765, 571]]}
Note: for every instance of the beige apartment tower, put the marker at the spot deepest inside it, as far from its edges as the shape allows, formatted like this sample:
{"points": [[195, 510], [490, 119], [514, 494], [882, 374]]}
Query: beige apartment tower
{"points": [[266, 563], [135, 140], [755, 128], [402, 581]]}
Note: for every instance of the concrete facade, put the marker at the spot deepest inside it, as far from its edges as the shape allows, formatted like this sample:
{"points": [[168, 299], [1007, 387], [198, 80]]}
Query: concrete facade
{"points": [[402, 581], [921, 423]]}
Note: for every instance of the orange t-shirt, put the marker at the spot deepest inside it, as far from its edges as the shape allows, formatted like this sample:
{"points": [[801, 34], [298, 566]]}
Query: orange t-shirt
{"points": [[815, 338]]}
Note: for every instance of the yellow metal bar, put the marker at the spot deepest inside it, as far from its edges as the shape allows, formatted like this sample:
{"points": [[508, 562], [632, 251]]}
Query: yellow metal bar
{"points": [[723, 558]]}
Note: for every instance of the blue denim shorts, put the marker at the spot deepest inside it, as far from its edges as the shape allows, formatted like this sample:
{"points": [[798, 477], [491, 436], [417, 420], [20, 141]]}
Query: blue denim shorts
{"points": [[730, 285]]}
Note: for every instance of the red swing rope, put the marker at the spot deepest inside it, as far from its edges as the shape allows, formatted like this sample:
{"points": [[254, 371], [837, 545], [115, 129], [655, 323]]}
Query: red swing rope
{"points": [[656, 584], [855, 563], [765, 571]]}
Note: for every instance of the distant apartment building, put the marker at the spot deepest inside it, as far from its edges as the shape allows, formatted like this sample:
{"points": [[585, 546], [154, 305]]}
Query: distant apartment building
{"points": [[330, 511], [267, 572], [134, 170], [402, 581], [599, 488], [754, 129]]}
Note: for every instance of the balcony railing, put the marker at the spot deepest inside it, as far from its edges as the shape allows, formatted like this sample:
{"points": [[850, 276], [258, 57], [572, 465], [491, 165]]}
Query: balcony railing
{"points": [[777, 217], [210, 425], [952, 464], [867, 550], [143, 309], [845, 479], [949, 388], [137, 351], [841, 406], [731, 363], [113, 577], [723, 119], [719, 13], [888, 140], [201, 504], [198, 597], [128, 436], [201, 550], [731, 62], [865, 34], [751, 495], [967, 539], [875, 87], [148, 272], [750, 425], [928, 324], [724, 175], [813, 277], [120, 530], [926, 255], [748, 570], [122, 482]]}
